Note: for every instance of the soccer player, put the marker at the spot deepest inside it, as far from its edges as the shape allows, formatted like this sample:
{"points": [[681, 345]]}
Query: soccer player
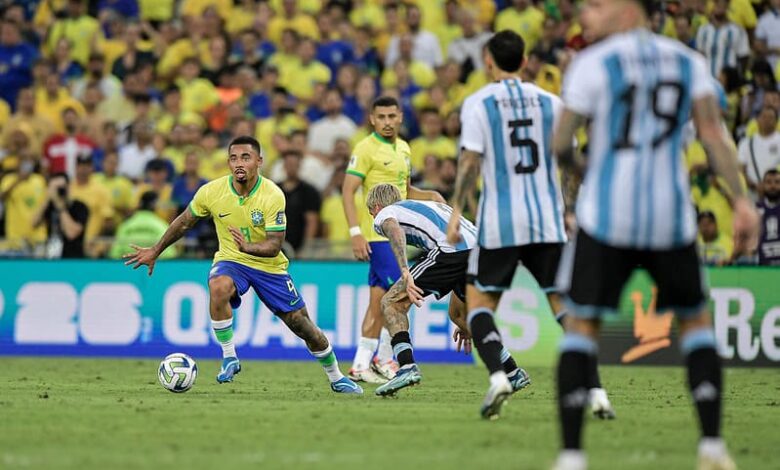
{"points": [[638, 90], [248, 212], [382, 157], [507, 129], [441, 271]]}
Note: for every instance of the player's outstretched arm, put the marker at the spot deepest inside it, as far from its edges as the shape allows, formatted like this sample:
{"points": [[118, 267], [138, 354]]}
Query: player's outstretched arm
{"points": [[722, 156], [148, 256], [392, 230], [268, 248], [465, 185], [413, 192]]}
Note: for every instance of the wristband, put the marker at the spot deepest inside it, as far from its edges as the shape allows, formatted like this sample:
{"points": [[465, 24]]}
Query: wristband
{"points": [[353, 231]]}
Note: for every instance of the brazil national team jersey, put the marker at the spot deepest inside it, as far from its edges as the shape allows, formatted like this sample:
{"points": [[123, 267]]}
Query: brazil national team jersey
{"points": [[377, 161], [260, 212]]}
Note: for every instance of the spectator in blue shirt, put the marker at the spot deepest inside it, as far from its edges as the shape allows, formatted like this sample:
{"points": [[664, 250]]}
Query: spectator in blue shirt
{"points": [[186, 184], [16, 59]]}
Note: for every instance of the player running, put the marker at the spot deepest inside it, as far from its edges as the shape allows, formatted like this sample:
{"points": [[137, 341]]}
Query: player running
{"points": [[382, 157], [507, 129], [638, 90], [248, 212], [441, 271]]}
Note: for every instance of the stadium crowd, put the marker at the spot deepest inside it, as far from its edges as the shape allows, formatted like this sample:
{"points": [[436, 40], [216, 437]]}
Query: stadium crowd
{"points": [[114, 112]]}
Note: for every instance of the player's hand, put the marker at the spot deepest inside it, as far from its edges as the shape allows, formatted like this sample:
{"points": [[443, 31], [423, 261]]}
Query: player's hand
{"points": [[416, 295], [141, 257], [746, 223], [238, 237], [436, 197], [453, 228], [570, 223], [462, 340], [360, 247]]}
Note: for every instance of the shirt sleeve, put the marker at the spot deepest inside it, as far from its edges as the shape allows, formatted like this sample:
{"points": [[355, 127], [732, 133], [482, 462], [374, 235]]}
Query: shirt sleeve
{"points": [[381, 217], [276, 219], [79, 212], [743, 44], [581, 85], [472, 134], [743, 150], [198, 205], [762, 30], [701, 79], [313, 201], [359, 163]]}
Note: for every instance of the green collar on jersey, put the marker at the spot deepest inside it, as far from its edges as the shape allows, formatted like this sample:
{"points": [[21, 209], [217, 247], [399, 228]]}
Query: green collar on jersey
{"points": [[241, 198], [379, 137]]}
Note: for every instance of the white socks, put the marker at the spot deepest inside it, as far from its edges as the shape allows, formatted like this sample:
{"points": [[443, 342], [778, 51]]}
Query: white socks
{"points": [[223, 330], [365, 351], [385, 352], [329, 362], [712, 447]]}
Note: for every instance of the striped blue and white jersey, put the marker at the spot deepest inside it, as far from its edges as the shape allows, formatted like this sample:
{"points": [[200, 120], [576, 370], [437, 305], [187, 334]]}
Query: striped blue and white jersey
{"points": [[510, 124], [638, 89], [425, 225], [722, 46]]}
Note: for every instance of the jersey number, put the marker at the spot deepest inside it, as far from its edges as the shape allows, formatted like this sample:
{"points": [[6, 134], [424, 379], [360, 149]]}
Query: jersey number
{"points": [[670, 118], [516, 141]]}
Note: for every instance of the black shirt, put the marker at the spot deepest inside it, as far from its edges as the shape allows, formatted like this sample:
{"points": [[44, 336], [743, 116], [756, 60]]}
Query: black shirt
{"points": [[300, 200], [78, 212]]}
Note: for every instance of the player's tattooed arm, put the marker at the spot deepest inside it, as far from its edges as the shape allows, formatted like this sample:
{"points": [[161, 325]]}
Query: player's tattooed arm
{"points": [[268, 248], [185, 221], [563, 143], [466, 182], [392, 230], [721, 151]]}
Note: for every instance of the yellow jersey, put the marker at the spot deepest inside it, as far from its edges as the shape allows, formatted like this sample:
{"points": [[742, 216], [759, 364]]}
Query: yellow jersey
{"points": [[20, 207], [527, 24], [97, 198], [440, 147], [256, 214], [376, 160], [120, 190]]}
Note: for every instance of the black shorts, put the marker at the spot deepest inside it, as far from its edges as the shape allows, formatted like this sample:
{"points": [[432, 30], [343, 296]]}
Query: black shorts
{"points": [[493, 270], [440, 273], [593, 274]]}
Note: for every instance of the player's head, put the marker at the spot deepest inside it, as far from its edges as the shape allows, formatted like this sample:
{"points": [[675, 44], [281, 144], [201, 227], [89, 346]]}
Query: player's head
{"points": [[386, 116], [504, 53], [148, 201], [771, 185], [708, 226], [601, 18], [245, 156], [381, 196]]}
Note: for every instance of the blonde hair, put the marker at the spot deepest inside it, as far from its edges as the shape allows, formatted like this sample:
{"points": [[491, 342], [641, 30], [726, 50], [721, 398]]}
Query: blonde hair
{"points": [[382, 195]]}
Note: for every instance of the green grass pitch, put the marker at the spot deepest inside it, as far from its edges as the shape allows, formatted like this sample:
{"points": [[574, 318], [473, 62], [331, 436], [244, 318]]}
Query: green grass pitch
{"points": [[111, 414]]}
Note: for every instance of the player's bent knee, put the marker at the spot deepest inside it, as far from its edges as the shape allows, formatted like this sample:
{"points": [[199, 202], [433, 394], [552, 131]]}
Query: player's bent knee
{"points": [[221, 288]]}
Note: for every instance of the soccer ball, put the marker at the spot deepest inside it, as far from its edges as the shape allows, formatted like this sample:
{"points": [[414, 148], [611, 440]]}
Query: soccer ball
{"points": [[177, 372]]}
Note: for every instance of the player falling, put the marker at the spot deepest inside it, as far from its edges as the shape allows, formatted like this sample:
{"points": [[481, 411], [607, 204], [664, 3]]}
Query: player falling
{"points": [[507, 130], [382, 157], [248, 212], [638, 89], [441, 271]]}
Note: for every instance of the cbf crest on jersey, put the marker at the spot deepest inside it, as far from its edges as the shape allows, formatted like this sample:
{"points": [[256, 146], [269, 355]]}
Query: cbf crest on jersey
{"points": [[257, 218]]}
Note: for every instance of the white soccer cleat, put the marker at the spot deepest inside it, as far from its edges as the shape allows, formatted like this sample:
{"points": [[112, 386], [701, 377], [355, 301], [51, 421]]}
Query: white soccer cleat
{"points": [[367, 376], [714, 456], [495, 398], [599, 404], [387, 369], [571, 460]]}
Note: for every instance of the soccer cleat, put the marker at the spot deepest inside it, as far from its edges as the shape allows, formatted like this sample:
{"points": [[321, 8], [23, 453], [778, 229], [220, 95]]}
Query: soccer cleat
{"points": [[230, 367], [495, 398], [599, 404], [724, 462], [519, 379], [344, 385], [386, 370], [366, 375], [406, 377], [571, 460]]}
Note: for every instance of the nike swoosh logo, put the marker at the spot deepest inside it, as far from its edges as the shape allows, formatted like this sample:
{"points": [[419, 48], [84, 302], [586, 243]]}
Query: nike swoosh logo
{"points": [[295, 301], [224, 215], [387, 163]]}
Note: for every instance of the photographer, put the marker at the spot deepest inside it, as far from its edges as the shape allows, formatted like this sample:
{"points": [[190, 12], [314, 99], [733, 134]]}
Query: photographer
{"points": [[65, 220]]}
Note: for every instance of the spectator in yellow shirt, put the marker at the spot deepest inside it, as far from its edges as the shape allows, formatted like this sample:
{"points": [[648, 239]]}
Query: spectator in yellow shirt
{"points": [[52, 100], [307, 72], [93, 194], [715, 248], [82, 30], [286, 59], [432, 142], [157, 172], [22, 193], [197, 94], [524, 19], [291, 18], [545, 76], [120, 189], [40, 127], [367, 13], [156, 11]]}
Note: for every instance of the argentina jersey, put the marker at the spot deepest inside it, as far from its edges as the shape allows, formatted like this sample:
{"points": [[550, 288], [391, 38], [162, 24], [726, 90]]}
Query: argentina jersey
{"points": [[637, 88], [510, 124], [425, 225]]}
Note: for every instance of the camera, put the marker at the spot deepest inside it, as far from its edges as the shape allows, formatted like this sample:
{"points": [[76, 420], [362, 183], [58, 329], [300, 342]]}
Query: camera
{"points": [[62, 191]]}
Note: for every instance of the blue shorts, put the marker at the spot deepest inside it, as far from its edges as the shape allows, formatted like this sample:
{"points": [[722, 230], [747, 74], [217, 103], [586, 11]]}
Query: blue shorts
{"points": [[276, 291], [383, 270]]}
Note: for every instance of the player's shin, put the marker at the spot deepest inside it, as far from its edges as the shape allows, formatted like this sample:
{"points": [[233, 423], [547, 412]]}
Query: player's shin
{"points": [[486, 339], [402, 347], [577, 352], [223, 330], [507, 361], [327, 358], [704, 378]]}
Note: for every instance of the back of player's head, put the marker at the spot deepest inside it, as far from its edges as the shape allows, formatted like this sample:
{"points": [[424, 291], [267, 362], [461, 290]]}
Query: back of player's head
{"points": [[247, 140], [507, 49], [382, 195], [649, 6], [148, 201], [384, 101]]}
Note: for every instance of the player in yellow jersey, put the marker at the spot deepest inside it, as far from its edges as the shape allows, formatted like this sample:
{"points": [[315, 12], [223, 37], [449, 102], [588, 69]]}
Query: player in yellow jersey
{"points": [[382, 157], [248, 212]]}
